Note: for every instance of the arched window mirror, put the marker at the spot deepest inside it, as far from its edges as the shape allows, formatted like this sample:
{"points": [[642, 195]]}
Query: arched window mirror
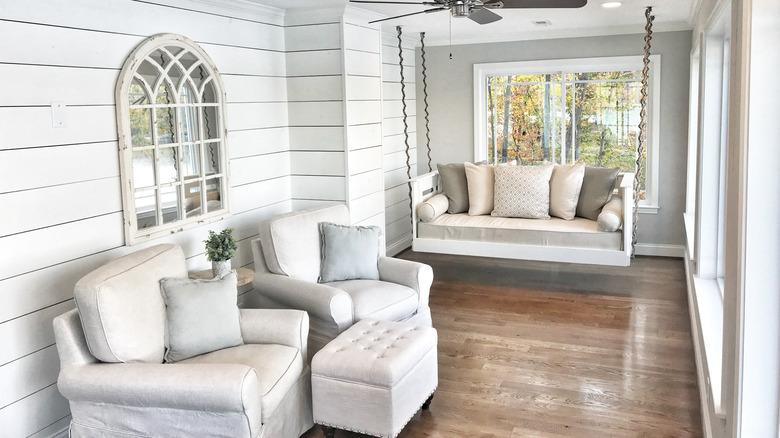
{"points": [[173, 153]]}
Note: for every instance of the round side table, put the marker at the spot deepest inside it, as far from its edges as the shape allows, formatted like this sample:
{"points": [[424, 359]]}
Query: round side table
{"points": [[245, 275]]}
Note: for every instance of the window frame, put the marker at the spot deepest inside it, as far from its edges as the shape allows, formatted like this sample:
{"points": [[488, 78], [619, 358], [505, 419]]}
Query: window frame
{"points": [[612, 63], [134, 61]]}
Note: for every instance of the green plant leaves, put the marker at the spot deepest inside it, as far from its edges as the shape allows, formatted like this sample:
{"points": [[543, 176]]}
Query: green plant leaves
{"points": [[220, 246]]}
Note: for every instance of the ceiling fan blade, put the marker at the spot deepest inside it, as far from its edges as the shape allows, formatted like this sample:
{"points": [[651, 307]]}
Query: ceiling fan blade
{"points": [[395, 3], [427, 11], [528, 4], [484, 16]]}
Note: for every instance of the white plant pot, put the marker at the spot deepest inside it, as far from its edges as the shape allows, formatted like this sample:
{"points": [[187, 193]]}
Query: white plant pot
{"points": [[220, 268]]}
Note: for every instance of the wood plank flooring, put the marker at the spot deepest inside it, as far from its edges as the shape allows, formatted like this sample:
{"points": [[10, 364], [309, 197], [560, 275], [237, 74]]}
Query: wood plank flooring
{"points": [[529, 349]]}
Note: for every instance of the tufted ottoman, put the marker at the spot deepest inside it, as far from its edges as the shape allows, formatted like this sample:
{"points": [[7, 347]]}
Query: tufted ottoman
{"points": [[374, 377]]}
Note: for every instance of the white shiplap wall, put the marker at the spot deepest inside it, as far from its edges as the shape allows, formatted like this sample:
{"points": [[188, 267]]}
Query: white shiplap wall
{"points": [[334, 83], [398, 227], [60, 203], [315, 84], [363, 100]]}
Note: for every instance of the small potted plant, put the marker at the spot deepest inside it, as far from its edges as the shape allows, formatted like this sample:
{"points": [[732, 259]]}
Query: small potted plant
{"points": [[220, 248]]}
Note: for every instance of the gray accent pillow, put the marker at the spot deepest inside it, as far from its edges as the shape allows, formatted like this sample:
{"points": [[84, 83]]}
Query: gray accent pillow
{"points": [[201, 316], [522, 191], [349, 252], [597, 186], [455, 186]]}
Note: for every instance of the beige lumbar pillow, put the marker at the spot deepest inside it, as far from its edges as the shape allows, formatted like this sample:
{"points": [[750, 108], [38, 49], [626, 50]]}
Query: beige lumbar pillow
{"points": [[522, 191], [565, 185], [480, 179], [433, 207]]}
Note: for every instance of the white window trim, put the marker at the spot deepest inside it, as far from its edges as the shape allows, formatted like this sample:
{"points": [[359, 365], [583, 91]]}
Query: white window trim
{"points": [[132, 234], [689, 216], [612, 63]]}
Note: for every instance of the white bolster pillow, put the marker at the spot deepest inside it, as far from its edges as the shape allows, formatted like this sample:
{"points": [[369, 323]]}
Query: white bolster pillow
{"points": [[611, 216], [433, 207]]}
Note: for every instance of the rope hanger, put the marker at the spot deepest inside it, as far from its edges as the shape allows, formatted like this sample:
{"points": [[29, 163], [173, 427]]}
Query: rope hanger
{"points": [[642, 141], [405, 116]]}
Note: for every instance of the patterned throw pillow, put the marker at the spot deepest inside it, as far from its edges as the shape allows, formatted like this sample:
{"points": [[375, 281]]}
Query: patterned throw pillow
{"points": [[522, 191]]}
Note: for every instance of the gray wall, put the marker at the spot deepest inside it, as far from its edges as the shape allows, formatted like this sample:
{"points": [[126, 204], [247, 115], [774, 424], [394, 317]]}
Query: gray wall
{"points": [[451, 91]]}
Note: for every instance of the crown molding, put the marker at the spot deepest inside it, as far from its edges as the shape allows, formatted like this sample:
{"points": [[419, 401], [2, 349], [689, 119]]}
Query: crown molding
{"points": [[311, 16], [549, 34], [242, 9], [695, 8]]}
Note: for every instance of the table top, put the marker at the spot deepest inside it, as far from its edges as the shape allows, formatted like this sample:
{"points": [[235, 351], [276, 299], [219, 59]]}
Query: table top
{"points": [[245, 275]]}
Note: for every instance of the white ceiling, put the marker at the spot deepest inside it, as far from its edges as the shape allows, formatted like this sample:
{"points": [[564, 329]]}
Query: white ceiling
{"points": [[516, 24]]}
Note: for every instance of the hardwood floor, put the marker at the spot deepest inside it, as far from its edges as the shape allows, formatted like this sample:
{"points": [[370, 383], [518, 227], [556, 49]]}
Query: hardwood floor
{"points": [[529, 349]]}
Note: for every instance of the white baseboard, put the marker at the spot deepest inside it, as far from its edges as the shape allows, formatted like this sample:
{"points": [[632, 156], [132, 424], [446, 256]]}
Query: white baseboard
{"points": [[394, 248], [661, 250]]}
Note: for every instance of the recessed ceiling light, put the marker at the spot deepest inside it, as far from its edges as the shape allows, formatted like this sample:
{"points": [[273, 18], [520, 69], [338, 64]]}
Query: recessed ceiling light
{"points": [[543, 23], [611, 5]]}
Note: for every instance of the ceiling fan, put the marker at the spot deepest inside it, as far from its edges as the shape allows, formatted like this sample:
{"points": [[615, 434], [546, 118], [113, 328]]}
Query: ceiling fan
{"points": [[478, 11]]}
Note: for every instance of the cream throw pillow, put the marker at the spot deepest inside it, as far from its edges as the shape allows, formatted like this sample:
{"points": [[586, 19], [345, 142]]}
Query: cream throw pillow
{"points": [[565, 186], [480, 180], [522, 191]]}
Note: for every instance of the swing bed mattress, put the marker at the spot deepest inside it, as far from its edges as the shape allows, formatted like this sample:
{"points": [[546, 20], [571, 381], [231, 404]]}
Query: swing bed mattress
{"points": [[578, 233]]}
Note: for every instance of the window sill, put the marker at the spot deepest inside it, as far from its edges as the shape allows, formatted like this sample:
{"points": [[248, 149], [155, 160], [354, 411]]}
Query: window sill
{"points": [[709, 304], [648, 209]]}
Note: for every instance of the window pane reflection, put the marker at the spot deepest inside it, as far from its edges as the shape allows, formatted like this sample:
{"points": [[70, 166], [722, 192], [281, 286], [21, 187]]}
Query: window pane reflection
{"points": [[143, 168]]}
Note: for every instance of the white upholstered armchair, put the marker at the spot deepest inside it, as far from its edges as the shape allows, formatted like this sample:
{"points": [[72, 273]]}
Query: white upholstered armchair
{"points": [[112, 347], [287, 258]]}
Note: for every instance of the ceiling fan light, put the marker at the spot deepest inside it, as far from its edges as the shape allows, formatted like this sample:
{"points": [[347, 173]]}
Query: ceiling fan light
{"points": [[611, 5], [461, 9]]}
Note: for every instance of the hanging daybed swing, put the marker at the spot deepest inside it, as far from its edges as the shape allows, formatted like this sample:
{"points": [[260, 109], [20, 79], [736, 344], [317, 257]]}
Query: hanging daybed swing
{"points": [[576, 241]]}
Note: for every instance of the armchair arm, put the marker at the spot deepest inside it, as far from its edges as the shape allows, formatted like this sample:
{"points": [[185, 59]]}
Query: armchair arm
{"points": [[319, 300], [276, 326], [417, 276], [200, 387]]}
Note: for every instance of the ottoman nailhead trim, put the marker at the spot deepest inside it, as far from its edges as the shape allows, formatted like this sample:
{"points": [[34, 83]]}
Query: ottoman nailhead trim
{"points": [[369, 433]]}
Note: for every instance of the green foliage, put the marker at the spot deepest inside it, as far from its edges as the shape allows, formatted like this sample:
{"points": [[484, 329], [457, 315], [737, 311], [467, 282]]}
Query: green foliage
{"points": [[220, 246], [601, 108]]}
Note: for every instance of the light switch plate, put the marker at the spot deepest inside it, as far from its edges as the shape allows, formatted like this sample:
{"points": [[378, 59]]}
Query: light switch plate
{"points": [[58, 114]]}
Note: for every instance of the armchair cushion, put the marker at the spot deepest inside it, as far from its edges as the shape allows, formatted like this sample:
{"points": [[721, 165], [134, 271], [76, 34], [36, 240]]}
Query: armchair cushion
{"points": [[349, 252], [202, 316], [278, 368], [379, 299], [291, 242], [122, 311]]}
